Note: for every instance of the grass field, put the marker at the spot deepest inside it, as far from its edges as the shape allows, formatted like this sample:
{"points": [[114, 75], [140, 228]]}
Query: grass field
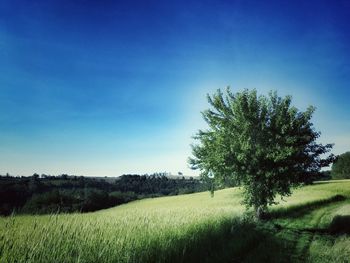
{"points": [[311, 226]]}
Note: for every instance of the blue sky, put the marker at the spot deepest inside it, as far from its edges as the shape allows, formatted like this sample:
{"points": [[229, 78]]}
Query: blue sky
{"points": [[113, 87]]}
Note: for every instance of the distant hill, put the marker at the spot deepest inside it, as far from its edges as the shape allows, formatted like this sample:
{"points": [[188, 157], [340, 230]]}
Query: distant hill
{"points": [[70, 193]]}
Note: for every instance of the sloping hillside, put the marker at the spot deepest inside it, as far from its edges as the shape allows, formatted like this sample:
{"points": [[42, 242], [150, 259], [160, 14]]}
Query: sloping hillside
{"points": [[310, 225]]}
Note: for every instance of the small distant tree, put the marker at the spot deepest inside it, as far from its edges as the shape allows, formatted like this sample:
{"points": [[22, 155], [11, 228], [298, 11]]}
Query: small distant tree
{"points": [[64, 176], [341, 167], [262, 142]]}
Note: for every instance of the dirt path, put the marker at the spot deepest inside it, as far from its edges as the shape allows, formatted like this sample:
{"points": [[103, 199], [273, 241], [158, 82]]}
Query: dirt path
{"points": [[289, 239]]}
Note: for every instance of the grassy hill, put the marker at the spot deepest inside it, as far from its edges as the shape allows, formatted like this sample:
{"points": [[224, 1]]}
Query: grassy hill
{"points": [[312, 225]]}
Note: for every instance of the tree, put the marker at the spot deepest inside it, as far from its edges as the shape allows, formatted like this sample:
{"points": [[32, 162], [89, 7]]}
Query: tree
{"points": [[262, 142], [341, 167]]}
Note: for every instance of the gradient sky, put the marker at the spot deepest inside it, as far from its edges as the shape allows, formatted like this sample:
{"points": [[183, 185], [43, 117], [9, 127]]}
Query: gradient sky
{"points": [[113, 87]]}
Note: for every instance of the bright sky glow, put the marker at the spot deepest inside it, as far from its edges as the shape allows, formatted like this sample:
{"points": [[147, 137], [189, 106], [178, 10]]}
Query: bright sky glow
{"points": [[113, 87]]}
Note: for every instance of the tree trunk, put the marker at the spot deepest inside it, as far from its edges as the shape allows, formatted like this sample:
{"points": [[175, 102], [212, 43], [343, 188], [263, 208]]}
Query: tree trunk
{"points": [[261, 213]]}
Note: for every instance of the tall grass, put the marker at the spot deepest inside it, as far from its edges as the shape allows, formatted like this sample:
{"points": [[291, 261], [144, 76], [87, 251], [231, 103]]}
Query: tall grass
{"points": [[163, 229], [188, 228]]}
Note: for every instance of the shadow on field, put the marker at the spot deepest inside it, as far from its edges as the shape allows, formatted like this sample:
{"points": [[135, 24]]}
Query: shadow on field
{"points": [[300, 210], [244, 241], [257, 243], [340, 225]]}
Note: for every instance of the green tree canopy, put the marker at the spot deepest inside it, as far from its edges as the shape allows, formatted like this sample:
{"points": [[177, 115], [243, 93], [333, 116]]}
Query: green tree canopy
{"points": [[341, 167], [264, 143]]}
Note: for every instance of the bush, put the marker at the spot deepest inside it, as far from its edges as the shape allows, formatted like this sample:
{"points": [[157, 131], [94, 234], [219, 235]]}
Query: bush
{"points": [[341, 167]]}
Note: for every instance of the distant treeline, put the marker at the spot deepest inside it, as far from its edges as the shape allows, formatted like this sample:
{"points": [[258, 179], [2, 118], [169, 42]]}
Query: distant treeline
{"points": [[41, 194], [64, 193]]}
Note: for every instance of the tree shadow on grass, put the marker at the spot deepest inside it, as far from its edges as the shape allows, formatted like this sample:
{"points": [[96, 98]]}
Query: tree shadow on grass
{"points": [[340, 225], [300, 210], [245, 241]]}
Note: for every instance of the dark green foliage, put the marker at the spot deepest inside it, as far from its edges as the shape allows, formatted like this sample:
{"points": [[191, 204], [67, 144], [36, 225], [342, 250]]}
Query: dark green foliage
{"points": [[157, 185], [324, 176], [95, 200], [48, 202], [261, 142], [64, 193], [341, 167], [15, 191]]}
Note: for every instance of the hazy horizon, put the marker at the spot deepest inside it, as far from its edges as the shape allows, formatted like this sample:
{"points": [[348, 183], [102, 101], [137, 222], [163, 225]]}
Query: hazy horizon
{"points": [[104, 89]]}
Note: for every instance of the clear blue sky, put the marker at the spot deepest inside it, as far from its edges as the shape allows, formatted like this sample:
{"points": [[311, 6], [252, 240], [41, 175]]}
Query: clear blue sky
{"points": [[113, 87]]}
